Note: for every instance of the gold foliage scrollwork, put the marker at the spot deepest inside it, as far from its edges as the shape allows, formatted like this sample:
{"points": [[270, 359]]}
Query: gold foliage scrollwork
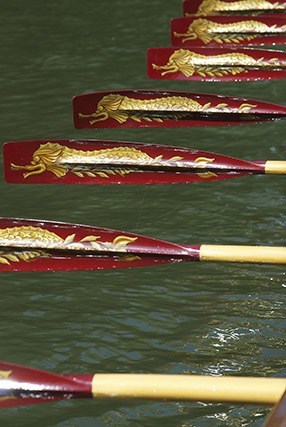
{"points": [[60, 160], [43, 241]]}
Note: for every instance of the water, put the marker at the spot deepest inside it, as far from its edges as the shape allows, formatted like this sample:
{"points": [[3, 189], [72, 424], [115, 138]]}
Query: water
{"points": [[185, 318]]}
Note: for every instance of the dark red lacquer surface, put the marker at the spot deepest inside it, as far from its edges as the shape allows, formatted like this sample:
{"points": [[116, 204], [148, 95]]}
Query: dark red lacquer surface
{"points": [[177, 64], [181, 27], [33, 162], [62, 246], [24, 385], [164, 109]]}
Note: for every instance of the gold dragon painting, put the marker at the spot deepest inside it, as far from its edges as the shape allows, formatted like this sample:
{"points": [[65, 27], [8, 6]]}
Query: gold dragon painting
{"points": [[190, 63], [122, 108], [212, 7], [26, 243], [236, 32]]}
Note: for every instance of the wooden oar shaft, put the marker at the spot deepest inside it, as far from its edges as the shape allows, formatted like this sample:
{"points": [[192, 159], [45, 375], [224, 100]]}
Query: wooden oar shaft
{"points": [[275, 167], [189, 387], [249, 254]]}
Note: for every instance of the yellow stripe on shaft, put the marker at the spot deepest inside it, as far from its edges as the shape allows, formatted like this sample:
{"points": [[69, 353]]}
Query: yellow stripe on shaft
{"points": [[275, 167], [249, 254], [189, 387]]}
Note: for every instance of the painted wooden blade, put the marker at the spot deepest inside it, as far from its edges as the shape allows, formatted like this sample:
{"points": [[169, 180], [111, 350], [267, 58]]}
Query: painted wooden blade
{"points": [[227, 31], [21, 385], [155, 108], [116, 162], [37, 245], [211, 64], [250, 7]]}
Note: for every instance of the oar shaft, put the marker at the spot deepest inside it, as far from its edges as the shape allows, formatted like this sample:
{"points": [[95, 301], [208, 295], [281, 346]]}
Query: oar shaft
{"points": [[275, 167], [189, 387], [249, 254]]}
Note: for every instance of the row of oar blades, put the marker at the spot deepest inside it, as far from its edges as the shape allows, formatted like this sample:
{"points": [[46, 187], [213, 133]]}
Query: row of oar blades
{"points": [[117, 162], [155, 108], [37, 245], [23, 385], [250, 7], [216, 48]]}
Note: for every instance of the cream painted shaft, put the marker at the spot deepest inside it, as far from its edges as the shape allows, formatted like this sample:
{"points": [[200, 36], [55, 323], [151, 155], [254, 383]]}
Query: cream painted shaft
{"points": [[189, 387], [275, 167], [249, 254]]}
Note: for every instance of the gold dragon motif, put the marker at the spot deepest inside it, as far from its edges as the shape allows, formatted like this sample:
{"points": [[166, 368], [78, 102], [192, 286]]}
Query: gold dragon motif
{"points": [[121, 108], [209, 31], [43, 240], [190, 63], [208, 7], [60, 160]]}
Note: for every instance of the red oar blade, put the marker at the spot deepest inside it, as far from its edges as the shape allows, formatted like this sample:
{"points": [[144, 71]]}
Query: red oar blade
{"points": [[116, 162], [215, 64], [155, 108], [21, 385], [277, 418], [31, 245], [251, 7], [225, 31]]}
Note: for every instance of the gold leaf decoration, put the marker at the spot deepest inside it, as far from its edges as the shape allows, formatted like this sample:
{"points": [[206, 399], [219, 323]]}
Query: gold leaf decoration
{"points": [[90, 238], [208, 7], [202, 162], [4, 260], [84, 163], [208, 31], [190, 63], [69, 239], [171, 107], [123, 241], [244, 108], [5, 374], [44, 241]]}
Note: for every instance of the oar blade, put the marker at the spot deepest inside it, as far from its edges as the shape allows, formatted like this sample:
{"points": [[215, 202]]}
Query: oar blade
{"points": [[207, 7], [215, 64], [22, 385], [36, 245], [227, 31], [116, 162], [155, 108]]}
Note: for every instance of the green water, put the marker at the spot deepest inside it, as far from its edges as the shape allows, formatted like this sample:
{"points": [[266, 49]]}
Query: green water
{"points": [[185, 318]]}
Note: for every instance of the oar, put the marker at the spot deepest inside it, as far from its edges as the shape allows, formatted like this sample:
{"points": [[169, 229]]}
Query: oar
{"points": [[215, 64], [115, 162], [21, 385], [277, 417], [37, 245], [155, 108], [225, 31], [250, 7]]}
